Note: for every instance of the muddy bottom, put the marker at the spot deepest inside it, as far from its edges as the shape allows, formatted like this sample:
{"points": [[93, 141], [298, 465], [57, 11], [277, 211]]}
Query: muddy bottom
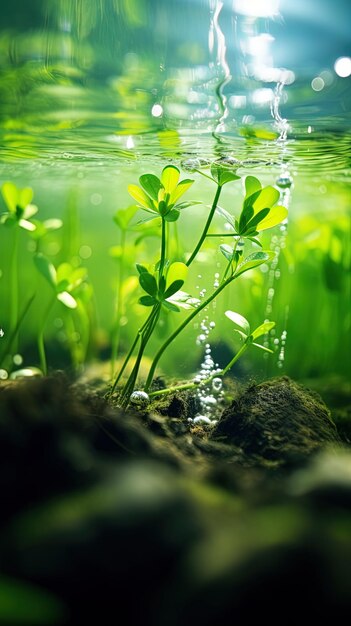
{"points": [[145, 517]]}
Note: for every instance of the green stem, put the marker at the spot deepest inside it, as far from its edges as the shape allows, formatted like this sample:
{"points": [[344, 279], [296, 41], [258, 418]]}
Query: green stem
{"points": [[182, 326], [131, 350], [194, 384], [163, 248], [40, 340], [117, 324], [207, 226], [14, 283], [231, 261], [16, 329], [130, 384]]}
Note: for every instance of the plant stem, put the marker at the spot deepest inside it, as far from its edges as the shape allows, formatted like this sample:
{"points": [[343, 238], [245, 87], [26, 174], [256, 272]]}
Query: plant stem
{"points": [[163, 248], [40, 340], [182, 326], [16, 329], [117, 324], [131, 350], [194, 384], [207, 226], [14, 284], [130, 384]]}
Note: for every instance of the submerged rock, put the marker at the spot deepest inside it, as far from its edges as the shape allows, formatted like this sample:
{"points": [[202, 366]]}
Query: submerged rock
{"points": [[278, 420]]}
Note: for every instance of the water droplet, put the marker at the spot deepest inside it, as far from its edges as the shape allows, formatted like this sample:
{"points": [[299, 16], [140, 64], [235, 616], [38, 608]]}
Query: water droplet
{"points": [[140, 398], [201, 338], [284, 181], [217, 384], [212, 324]]}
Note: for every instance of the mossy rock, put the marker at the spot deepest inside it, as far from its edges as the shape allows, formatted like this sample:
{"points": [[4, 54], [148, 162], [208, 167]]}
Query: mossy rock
{"points": [[278, 420]]}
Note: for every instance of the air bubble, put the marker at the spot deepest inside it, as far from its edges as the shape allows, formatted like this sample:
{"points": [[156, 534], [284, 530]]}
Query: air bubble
{"points": [[3, 374], [284, 181], [217, 384], [139, 398]]}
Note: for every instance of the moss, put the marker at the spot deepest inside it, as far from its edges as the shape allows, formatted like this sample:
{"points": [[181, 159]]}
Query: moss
{"points": [[278, 420]]}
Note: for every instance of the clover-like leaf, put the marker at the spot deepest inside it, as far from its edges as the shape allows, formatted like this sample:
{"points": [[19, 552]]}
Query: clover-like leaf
{"points": [[276, 215], [222, 175], [67, 299], [147, 301], [148, 283], [184, 300], [239, 320], [46, 269], [254, 260], [173, 288], [252, 185], [262, 329], [123, 217], [227, 251], [181, 188], [151, 184], [141, 197], [169, 178], [176, 271]]}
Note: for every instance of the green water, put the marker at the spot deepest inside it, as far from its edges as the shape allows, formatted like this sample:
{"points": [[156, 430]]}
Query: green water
{"points": [[94, 94]]}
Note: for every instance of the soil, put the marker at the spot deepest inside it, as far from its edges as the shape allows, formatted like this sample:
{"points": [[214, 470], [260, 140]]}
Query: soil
{"points": [[144, 514]]}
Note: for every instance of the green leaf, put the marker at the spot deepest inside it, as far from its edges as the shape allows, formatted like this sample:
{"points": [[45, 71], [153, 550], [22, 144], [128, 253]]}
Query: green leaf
{"points": [[141, 197], [259, 217], [222, 175], [184, 300], [266, 199], [10, 194], [170, 306], [62, 285], [52, 224], [245, 217], [148, 283], [275, 216], [141, 268], [46, 268], [29, 210], [262, 329], [123, 217], [67, 299], [172, 215], [151, 184], [180, 189], [258, 345], [176, 271], [25, 197], [227, 251], [147, 301], [239, 320], [169, 178], [229, 218], [254, 240], [26, 225], [254, 260], [173, 288], [252, 185]]}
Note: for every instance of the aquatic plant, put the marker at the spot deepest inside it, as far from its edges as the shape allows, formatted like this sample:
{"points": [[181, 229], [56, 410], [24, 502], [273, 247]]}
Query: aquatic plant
{"points": [[63, 281], [163, 282]]}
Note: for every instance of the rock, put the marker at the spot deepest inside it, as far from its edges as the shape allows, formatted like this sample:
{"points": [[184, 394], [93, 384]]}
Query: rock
{"points": [[278, 420]]}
